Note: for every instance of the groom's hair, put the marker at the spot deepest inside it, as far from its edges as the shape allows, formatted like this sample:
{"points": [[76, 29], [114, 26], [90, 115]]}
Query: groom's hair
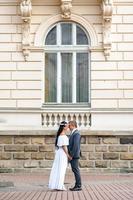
{"points": [[73, 123]]}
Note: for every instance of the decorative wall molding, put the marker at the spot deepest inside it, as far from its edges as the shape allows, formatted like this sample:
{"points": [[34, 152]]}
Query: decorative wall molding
{"points": [[44, 28], [26, 9], [107, 10], [66, 6]]}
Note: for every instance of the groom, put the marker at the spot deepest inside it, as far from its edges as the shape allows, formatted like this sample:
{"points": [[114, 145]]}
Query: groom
{"points": [[74, 152]]}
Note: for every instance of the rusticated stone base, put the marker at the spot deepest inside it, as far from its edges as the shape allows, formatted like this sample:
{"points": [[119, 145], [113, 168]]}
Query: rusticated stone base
{"points": [[30, 151]]}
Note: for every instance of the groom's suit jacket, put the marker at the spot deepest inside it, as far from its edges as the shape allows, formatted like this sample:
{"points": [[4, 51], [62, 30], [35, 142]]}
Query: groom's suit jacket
{"points": [[74, 144]]}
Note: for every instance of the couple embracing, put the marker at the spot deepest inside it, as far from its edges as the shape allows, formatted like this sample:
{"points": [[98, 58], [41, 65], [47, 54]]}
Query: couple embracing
{"points": [[66, 150]]}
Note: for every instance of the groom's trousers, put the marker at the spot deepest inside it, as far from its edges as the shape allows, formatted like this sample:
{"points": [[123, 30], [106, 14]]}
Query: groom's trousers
{"points": [[76, 171]]}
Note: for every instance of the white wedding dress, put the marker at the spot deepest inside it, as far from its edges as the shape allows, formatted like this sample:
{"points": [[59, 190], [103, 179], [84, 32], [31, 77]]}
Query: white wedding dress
{"points": [[57, 175]]}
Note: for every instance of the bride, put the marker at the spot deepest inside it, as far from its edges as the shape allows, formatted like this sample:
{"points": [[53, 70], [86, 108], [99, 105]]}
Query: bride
{"points": [[57, 175]]}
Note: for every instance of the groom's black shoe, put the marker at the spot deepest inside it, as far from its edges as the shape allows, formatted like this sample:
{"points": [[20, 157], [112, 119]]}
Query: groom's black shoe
{"points": [[75, 188]]}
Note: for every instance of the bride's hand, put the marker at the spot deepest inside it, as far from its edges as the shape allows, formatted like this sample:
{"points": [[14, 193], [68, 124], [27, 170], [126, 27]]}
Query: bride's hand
{"points": [[69, 157]]}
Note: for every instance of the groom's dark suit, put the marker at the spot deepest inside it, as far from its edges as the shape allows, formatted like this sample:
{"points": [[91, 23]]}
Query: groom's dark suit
{"points": [[74, 151]]}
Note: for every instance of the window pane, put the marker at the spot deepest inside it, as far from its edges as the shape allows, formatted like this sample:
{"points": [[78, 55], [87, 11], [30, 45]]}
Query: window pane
{"points": [[81, 36], [51, 37], [82, 77], [66, 77], [50, 77], [66, 30]]}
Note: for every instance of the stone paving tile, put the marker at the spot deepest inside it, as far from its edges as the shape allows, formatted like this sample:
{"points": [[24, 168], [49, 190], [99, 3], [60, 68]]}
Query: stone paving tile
{"points": [[95, 187]]}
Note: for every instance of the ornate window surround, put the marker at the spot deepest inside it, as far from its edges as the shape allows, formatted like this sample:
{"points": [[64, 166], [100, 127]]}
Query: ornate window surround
{"points": [[66, 5], [44, 27]]}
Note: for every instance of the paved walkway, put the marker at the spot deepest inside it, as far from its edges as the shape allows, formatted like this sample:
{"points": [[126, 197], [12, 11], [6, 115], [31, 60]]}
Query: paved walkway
{"points": [[95, 187]]}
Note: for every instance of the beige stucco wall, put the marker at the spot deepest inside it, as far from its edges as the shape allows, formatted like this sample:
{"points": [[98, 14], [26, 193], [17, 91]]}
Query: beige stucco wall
{"points": [[21, 83]]}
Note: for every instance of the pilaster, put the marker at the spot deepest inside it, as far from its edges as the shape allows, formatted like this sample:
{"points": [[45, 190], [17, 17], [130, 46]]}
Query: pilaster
{"points": [[26, 9], [107, 10]]}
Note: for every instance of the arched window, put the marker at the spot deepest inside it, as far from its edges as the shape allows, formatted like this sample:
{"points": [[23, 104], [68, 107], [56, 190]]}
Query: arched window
{"points": [[67, 64]]}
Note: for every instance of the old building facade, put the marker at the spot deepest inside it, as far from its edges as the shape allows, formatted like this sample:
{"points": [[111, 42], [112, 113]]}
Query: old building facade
{"points": [[62, 60]]}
